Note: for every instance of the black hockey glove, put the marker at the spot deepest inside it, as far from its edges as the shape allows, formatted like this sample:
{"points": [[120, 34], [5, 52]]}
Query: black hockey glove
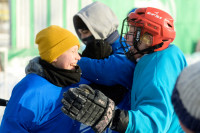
{"points": [[93, 108], [98, 49], [89, 107]]}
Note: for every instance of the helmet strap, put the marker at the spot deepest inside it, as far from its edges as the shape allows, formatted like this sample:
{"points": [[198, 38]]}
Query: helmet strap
{"points": [[149, 50], [130, 54]]}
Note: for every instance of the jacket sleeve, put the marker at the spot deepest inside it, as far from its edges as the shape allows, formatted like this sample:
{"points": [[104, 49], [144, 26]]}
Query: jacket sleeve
{"points": [[116, 69], [10, 125], [23, 109], [152, 111], [154, 80], [17, 118]]}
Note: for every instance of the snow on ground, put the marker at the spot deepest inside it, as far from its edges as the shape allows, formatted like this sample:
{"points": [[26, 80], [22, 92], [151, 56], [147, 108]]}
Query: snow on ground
{"points": [[16, 71]]}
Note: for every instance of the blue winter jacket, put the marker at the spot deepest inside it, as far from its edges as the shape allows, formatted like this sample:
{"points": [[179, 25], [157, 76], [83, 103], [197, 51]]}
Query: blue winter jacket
{"points": [[154, 79], [35, 106]]}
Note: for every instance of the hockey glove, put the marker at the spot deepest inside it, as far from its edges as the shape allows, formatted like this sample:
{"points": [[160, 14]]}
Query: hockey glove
{"points": [[88, 106]]}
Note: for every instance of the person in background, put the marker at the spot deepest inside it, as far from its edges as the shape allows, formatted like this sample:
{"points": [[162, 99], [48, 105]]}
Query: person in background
{"points": [[186, 100], [149, 31], [103, 57], [35, 105]]}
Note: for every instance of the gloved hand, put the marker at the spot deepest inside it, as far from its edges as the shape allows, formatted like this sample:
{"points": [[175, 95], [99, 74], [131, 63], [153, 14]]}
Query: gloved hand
{"points": [[97, 49], [88, 106]]}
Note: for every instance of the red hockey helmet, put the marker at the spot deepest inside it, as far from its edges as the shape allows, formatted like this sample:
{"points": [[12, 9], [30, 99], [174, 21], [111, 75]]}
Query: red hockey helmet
{"points": [[152, 21]]}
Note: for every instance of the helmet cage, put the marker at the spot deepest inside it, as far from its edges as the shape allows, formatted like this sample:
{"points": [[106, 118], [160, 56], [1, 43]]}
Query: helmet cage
{"points": [[125, 32], [139, 31]]}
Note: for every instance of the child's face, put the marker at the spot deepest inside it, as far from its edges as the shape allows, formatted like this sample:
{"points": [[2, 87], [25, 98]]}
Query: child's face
{"points": [[68, 60], [146, 41]]}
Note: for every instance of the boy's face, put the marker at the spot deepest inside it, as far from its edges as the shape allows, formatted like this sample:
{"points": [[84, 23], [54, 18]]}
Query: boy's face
{"points": [[84, 33], [146, 41], [68, 60]]}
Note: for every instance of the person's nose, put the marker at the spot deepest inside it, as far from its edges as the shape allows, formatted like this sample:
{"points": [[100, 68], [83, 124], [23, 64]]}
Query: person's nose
{"points": [[78, 57], [128, 35]]}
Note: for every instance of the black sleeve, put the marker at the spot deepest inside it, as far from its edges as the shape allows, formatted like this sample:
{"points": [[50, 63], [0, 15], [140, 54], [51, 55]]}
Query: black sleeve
{"points": [[116, 92], [120, 121]]}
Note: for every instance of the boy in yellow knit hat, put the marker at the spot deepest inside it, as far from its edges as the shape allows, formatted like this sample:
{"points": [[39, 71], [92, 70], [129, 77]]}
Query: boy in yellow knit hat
{"points": [[54, 41], [35, 103]]}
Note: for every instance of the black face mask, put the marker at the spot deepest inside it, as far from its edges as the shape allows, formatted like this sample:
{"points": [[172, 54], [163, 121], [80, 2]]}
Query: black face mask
{"points": [[96, 49], [88, 40]]}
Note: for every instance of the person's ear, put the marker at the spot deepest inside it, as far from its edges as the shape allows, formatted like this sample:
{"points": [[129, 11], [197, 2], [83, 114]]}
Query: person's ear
{"points": [[54, 62]]}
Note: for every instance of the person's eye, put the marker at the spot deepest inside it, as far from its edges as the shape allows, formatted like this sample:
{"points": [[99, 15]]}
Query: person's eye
{"points": [[85, 31]]}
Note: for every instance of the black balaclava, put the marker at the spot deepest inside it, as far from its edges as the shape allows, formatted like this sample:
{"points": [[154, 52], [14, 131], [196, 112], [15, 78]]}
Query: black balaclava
{"points": [[95, 49], [79, 24]]}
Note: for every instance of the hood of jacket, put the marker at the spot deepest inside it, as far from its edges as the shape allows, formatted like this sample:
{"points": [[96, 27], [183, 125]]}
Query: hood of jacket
{"points": [[34, 67], [99, 19]]}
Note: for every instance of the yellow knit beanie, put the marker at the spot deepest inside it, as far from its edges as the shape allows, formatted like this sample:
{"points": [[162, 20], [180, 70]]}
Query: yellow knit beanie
{"points": [[53, 41]]}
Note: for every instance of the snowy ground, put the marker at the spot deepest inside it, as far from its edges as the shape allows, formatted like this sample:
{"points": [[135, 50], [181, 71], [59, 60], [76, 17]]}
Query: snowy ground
{"points": [[15, 72]]}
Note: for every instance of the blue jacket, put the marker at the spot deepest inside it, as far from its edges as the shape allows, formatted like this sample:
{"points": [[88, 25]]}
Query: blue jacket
{"points": [[154, 79], [35, 106], [116, 69]]}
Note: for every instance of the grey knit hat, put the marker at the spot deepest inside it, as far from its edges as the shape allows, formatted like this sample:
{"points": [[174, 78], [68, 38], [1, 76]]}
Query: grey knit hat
{"points": [[186, 97]]}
